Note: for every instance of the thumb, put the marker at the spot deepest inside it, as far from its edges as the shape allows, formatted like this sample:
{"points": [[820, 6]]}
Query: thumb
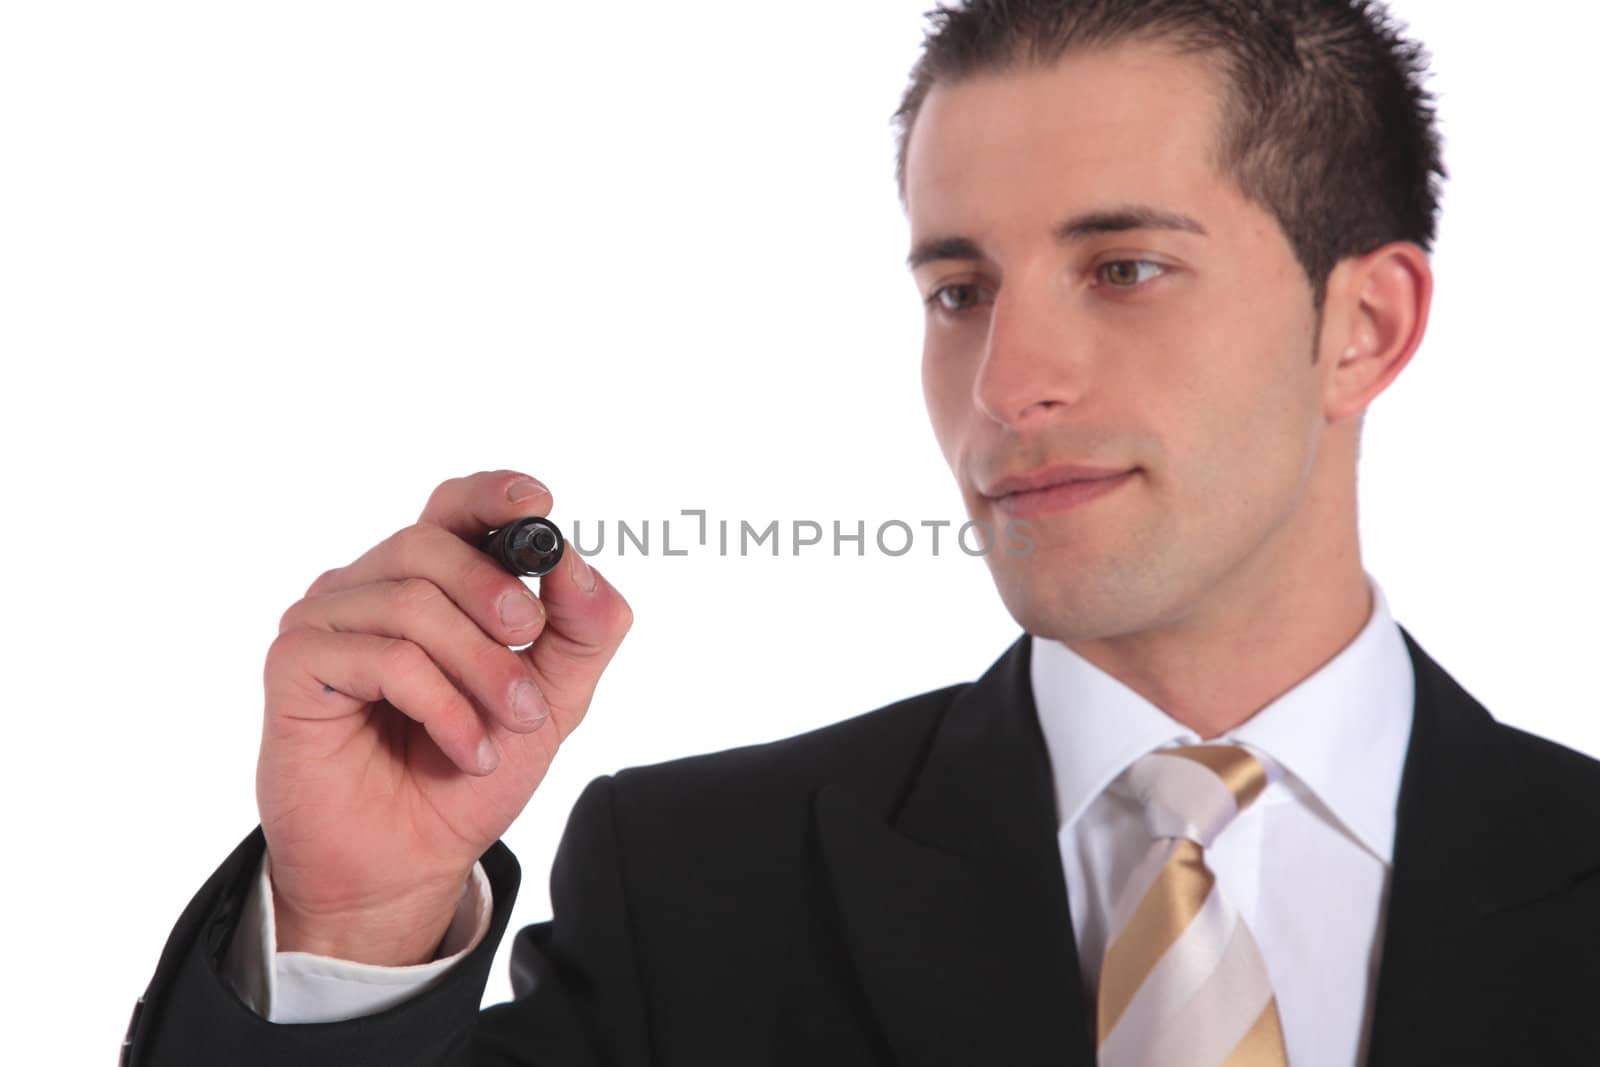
{"points": [[585, 622]]}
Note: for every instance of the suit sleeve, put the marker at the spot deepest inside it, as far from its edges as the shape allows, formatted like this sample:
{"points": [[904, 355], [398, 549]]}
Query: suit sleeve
{"points": [[303, 987], [578, 998]]}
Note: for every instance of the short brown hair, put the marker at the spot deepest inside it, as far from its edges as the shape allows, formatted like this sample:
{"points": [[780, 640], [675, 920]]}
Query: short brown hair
{"points": [[1326, 123]]}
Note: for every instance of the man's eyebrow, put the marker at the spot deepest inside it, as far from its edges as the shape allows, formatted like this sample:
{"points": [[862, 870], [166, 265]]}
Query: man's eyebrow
{"points": [[1114, 220]]}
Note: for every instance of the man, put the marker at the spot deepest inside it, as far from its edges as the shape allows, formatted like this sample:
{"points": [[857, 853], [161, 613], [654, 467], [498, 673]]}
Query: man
{"points": [[1214, 806]]}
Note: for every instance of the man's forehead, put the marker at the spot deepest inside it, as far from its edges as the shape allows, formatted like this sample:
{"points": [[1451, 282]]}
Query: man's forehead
{"points": [[1116, 83], [1102, 141], [1109, 125]]}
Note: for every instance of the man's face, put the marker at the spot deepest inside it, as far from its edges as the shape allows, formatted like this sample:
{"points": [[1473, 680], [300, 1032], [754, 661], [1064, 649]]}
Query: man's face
{"points": [[1187, 357]]}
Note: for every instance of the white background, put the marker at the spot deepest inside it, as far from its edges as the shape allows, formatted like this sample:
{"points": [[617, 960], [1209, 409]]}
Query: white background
{"points": [[270, 272]]}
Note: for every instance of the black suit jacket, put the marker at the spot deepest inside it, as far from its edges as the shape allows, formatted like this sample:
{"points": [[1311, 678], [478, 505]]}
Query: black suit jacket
{"points": [[888, 890]]}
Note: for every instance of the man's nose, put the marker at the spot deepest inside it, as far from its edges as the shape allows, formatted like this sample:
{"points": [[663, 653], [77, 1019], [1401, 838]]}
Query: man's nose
{"points": [[1035, 360]]}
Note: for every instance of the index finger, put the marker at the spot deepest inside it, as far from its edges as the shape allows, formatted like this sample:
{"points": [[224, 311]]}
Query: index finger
{"points": [[471, 506]]}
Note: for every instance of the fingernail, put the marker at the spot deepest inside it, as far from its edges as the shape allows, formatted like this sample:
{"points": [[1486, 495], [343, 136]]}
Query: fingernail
{"points": [[527, 703], [517, 492], [488, 757], [518, 610], [582, 575]]}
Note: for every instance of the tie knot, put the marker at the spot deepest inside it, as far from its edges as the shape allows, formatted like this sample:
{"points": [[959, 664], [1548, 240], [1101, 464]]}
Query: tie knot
{"points": [[1195, 791]]}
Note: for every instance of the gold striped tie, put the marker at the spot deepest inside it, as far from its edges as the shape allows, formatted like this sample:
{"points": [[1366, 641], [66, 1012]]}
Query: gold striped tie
{"points": [[1183, 983]]}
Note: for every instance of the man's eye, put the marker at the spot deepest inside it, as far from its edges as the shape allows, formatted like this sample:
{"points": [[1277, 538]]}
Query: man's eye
{"points": [[1124, 273], [936, 297], [1119, 274]]}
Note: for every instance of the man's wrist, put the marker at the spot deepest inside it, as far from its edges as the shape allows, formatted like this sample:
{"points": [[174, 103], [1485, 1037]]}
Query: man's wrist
{"points": [[406, 934]]}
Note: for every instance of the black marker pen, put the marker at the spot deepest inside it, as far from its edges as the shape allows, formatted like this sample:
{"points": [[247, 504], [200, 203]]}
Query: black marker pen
{"points": [[529, 547]]}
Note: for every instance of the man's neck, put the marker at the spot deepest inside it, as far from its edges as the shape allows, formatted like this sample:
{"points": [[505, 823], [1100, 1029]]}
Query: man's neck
{"points": [[1213, 679]]}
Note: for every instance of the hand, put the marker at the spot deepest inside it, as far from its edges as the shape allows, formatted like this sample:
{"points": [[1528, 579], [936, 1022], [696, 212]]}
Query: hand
{"points": [[392, 752]]}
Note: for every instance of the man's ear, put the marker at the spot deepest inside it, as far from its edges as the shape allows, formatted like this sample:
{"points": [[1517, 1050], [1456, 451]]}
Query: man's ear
{"points": [[1373, 322]]}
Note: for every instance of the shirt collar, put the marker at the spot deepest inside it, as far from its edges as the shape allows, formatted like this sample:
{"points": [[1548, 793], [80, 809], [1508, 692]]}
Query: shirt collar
{"points": [[1354, 711]]}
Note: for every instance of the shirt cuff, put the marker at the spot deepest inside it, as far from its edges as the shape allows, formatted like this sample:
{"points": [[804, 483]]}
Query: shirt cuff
{"points": [[303, 987]]}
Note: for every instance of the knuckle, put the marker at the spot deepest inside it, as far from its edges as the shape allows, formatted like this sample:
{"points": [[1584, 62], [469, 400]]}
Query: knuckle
{"points": [[415, 593], [455, 718], [290, 619], [481, 572], [624, 615], [442, 490], [461, 710], [402, 658], [414, 545], [496, 662], [284, 649], [323, 581], [403, 541]]}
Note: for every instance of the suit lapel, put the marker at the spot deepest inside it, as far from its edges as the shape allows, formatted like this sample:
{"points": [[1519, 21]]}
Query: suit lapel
{"points": [[956, 916], [955, 910], [1477, 834]]}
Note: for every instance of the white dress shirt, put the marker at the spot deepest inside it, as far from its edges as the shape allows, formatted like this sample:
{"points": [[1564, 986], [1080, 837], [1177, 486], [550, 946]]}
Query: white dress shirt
{"points": [[303, 987], [1306, 865]]}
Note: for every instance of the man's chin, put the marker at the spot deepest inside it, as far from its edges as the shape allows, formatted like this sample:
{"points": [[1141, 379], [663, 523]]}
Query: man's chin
{"points": [[1063, 603]]}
